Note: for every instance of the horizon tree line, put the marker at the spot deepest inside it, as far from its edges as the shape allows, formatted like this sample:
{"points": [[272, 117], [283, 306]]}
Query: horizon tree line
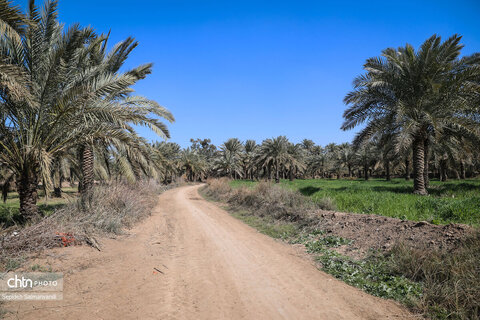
{"points": [[278, 158]]}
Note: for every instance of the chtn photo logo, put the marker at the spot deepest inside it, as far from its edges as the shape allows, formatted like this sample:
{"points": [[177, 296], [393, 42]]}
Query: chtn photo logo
{"points": [[16, 282]]}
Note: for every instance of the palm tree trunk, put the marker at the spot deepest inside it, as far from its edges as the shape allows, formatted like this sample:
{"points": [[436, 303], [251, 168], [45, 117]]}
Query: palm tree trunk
{"points": [[87, 169], [349, 171], [57, 183], [457, 174], [418, 167], [27, 192], [365, 172], [277, 173], [407, 168], [443, 170], [387, 169], [57, 190], [426, 159], [462, 170]]}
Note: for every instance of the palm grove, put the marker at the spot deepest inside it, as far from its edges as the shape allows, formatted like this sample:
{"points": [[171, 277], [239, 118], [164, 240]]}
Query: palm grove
{"points": [[420, 110], [67, 111]]}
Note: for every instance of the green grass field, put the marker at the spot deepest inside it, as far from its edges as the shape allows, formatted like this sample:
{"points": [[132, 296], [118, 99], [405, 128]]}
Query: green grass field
{"points": [[9, 209], [452, 201]]}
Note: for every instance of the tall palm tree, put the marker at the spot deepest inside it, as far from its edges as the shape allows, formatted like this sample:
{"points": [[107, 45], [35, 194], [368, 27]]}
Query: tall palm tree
{"points": [[416, 94], [69, 101], [109, 64]]}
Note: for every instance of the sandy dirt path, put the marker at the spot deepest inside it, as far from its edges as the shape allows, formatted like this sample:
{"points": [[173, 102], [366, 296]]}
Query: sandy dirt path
{"points": [[212, 267]]}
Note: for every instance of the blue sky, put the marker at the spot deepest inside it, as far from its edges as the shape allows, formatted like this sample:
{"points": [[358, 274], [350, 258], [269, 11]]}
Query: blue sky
{"points": [[258, 69]]}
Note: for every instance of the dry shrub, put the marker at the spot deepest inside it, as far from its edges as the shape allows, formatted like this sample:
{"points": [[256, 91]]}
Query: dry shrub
{"points": [[266, 199], [451, 279], [218, 189], [326, 203], [109, 209]]}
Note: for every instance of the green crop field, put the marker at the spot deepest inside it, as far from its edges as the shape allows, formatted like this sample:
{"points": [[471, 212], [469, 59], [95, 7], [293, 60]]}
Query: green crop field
{"points": [[455, 201]]}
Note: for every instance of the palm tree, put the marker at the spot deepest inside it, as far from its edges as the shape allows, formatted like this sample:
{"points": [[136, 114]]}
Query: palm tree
{"points": [[69, 101], [193, 164], [228, 164], [230, 155], [295, 163], [416, 95], [247, 158], [367, 158], [169, 158], [109, 64], [274, 152]]}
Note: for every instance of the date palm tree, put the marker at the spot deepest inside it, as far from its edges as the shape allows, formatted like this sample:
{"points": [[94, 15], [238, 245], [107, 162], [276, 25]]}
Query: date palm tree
{"points": [[247, 158], [416, 94], [70, 102], [274, 153]]}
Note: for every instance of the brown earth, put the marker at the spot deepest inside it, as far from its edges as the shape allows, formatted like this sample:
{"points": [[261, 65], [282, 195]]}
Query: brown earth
{"points": [[381, 233], [210, 266]]}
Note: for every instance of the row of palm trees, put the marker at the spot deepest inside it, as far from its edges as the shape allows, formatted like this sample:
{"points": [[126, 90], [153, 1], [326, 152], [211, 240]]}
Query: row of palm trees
{"points": [[278, 158], [67, 106], [421, 109]]}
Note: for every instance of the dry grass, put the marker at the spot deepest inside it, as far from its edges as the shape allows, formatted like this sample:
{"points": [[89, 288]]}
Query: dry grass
{"points": [[451, 279], [110, 209], [266, 199]]}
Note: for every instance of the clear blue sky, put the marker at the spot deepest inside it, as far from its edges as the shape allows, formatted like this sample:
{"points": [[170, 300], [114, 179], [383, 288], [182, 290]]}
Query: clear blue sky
{"points": [[258, 69]]}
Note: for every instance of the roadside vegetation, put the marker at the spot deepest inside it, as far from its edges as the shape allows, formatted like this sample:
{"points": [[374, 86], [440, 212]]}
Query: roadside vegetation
{"points": [[440, 283], [72, 165], [110, 209], [455, 201]]}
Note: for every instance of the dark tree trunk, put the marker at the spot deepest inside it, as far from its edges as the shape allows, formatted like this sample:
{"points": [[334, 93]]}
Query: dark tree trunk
{"points": [[87, 169], [418, 167], [407, 169], [387, 169], [27, 192], [277, 173], [426, 159], [462, 170], [365, 172], [57, 189], [349, 171], [443, 170], [290, 174], [57, 192]]}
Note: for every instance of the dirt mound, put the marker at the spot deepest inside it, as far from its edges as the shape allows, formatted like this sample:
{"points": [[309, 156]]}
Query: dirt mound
{"points": [[381, 233]]}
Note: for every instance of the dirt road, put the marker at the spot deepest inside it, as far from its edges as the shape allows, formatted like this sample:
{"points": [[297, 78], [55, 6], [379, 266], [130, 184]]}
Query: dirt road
{"points": [[211, 265]]}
